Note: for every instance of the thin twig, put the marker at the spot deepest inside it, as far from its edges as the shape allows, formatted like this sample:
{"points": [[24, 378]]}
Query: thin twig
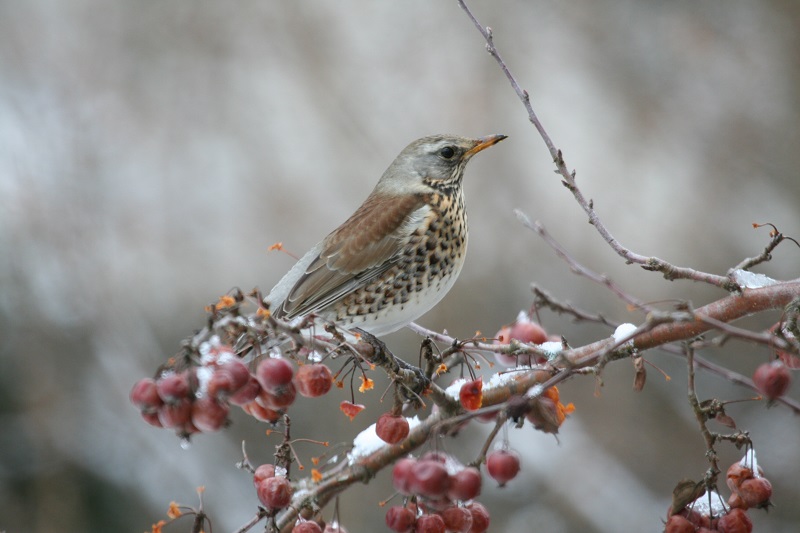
{"points": [[669, 271]]}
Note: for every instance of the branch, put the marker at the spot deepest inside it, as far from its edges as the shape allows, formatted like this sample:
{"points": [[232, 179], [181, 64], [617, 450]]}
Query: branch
{"points": [[670, 272]]}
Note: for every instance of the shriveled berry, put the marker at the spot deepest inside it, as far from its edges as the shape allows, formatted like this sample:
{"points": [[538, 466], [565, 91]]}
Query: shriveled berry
{"points": [[736, 521], [736, 474], [503, 465], [755, 492], [391, 428], [678, 524], [313, 380], [400, 519], [465, 484]]}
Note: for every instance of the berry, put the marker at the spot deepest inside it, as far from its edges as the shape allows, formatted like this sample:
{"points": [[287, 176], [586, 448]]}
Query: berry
{"points": [[391, 428], [173, 387], [246, 393], [263, 472], [400, 519], [275, 492], [678, 524], [176, 414], [313, 380], [736, 521], [274, 373], [471, 394], [261, 413], [480, 518], [152, 418], [144, 395], [772, 379], [503, 465], [430, 523], [306, 527], [457, 519], [755, 492], [429, 478], [465, 484], [401, 475], [208, 414], [278, 398]]}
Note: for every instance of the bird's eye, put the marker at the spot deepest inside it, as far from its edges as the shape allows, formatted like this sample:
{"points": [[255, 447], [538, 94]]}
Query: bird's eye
{"points": [[447, 152]]}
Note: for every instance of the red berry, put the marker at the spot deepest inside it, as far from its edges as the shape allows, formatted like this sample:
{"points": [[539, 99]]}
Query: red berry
{"points": [[247, 393], [208, 414], [471, 394], [306, 527], [480, 518], [238, 370], [503, 465], [259, 412], [176, 414], [429, 523], [736, 521], [678, 524], [524, 330], [273, 373], [439, 457], [391, 428], [173, 387], [263, 472], [465, 484], [144, 395], [152, 418], [313, 380], [772, 379], [278, 398], [275, 492], [429, 478], [457, 519], [755, 492], [334, 527], [736, 474], [400, 519], [401, 475]]}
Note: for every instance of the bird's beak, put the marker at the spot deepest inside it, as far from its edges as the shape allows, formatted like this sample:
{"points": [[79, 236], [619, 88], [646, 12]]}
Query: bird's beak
{"points": [[485, 142]]}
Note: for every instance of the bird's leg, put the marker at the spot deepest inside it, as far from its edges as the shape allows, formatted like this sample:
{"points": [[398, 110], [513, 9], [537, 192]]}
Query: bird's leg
{"points": [[410, 375]]}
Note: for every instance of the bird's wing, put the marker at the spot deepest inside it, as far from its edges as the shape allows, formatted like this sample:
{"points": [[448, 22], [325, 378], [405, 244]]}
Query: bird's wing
{"points": [[359, 250]]}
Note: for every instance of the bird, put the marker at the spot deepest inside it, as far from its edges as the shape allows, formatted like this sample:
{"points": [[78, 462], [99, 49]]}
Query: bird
{"points": [[398, 254]]}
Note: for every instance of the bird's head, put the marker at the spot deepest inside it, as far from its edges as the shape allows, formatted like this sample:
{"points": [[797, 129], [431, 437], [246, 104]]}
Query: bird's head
{"points": [[435, 161]]}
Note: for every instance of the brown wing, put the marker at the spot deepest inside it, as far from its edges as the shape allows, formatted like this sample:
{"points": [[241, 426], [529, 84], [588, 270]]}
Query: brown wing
{"points": [[359, 250]]}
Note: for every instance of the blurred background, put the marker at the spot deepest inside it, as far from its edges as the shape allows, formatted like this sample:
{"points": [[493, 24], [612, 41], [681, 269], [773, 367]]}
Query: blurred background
{"points": [[151, 152]]}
